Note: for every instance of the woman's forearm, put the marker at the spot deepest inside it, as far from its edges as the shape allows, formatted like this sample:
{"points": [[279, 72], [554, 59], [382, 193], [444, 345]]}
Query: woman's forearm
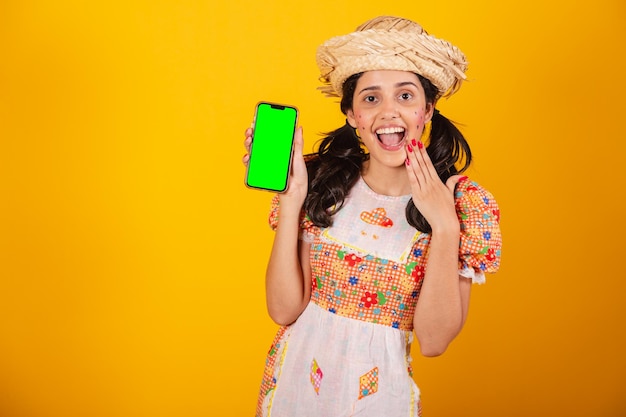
{"points": [[443, 301], [288, 272]]}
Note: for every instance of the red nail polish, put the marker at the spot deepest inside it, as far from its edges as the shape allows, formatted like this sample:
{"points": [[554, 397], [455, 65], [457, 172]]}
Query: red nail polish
{"points": [[406, 161], [409, 148], [420, 144], [463, 178], [413, 142]]}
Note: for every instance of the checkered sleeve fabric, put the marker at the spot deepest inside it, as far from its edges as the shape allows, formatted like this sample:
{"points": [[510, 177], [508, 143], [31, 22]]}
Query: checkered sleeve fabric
{"points": [[308, 229], [481, 239]]}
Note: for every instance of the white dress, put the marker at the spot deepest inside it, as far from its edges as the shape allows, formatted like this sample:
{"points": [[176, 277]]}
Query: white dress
{"points": [[348, 354]]}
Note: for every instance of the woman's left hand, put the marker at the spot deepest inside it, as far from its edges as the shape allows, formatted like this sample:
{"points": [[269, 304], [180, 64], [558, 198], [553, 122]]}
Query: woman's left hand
{"points": [[433, 198]]}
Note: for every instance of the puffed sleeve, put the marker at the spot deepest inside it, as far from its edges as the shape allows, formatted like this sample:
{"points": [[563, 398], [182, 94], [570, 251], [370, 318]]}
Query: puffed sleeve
{"points": [[308, 230], [481, 240]]}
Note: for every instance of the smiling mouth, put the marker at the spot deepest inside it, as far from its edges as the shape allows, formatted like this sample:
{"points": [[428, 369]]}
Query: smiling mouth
{"points": [[391, 138]]}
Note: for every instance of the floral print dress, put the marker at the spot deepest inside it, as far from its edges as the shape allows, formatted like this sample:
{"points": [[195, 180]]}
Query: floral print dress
{"points": [[349, 351]]}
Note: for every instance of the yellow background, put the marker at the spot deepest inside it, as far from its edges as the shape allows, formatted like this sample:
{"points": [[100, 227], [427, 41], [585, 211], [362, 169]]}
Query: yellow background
{"points": [[132, 256]]}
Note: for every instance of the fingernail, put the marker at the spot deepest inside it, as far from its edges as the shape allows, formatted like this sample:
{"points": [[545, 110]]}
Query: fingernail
{"points": [[406, 161], [409, 148], [414, 142], [463, 178], [420, 144]]}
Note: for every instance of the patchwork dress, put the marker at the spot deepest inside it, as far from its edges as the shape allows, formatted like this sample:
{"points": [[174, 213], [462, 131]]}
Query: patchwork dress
{"points": [[349, 351]]}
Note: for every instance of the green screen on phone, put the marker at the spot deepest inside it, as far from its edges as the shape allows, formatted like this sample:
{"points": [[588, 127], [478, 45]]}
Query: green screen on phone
{"points": [[270, 153]]}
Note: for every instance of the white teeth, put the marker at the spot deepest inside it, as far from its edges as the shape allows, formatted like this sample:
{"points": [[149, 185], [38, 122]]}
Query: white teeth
{"points": [[389, 130]]}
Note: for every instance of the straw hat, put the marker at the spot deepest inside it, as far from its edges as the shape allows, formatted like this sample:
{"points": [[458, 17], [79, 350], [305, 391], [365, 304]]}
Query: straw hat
{"points": [[390, 43]]}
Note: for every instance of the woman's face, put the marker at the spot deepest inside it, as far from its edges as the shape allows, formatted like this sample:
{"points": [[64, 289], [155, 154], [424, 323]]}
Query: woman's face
{"points": [[389, 109]]}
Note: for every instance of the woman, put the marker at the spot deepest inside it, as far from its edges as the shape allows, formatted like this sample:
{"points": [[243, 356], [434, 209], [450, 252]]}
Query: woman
{"points": [[377, 236]]}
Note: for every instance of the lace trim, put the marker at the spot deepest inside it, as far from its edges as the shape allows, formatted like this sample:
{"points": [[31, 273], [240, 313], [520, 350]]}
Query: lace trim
{"points": [[477, 277], [331, 241]]}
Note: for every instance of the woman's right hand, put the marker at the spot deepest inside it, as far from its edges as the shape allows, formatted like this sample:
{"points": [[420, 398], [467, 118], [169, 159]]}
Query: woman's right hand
{"points": [[298, 177]]}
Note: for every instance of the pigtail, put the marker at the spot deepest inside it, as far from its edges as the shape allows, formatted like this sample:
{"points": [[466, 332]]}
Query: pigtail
{"points": [[333, 170]]}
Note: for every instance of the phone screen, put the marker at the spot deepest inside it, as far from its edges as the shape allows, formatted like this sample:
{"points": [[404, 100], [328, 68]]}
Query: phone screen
{"points": [[272, 142]]}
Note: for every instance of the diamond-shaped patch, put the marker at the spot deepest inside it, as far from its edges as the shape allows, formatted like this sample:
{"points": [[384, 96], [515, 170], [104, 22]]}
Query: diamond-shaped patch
{"points": [[316, 376], [368, 383]]}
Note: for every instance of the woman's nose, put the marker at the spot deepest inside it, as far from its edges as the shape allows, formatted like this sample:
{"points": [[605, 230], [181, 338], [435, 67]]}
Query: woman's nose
{"points": [[389, 110]]}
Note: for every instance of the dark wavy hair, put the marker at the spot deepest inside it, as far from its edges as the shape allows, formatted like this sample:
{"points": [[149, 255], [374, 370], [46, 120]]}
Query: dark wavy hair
{"points": [[336, 166]]}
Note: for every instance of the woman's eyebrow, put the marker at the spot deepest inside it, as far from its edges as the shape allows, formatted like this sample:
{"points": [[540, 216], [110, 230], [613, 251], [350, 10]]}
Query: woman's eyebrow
{"points": [[372, 88], [405, 83], [397, 85]]}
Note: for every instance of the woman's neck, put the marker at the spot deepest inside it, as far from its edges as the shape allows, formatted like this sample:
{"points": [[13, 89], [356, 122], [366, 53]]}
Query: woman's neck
{"points": [[386, 180]]}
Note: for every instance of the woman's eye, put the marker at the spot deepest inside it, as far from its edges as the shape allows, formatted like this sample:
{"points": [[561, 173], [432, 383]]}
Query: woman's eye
{"points": [[370, 99], [406, 96]]}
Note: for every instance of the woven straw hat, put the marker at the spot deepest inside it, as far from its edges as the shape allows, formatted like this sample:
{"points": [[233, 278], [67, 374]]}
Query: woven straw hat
{"points": [[390, 43]]}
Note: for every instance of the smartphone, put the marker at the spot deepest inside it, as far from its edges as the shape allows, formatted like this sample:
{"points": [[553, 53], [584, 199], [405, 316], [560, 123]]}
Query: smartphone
{"points": [[271, 148]]}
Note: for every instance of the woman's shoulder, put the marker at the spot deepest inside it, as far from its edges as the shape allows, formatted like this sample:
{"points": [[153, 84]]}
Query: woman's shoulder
{"points": [[469, 190], [475, 203], [476, 206]]}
